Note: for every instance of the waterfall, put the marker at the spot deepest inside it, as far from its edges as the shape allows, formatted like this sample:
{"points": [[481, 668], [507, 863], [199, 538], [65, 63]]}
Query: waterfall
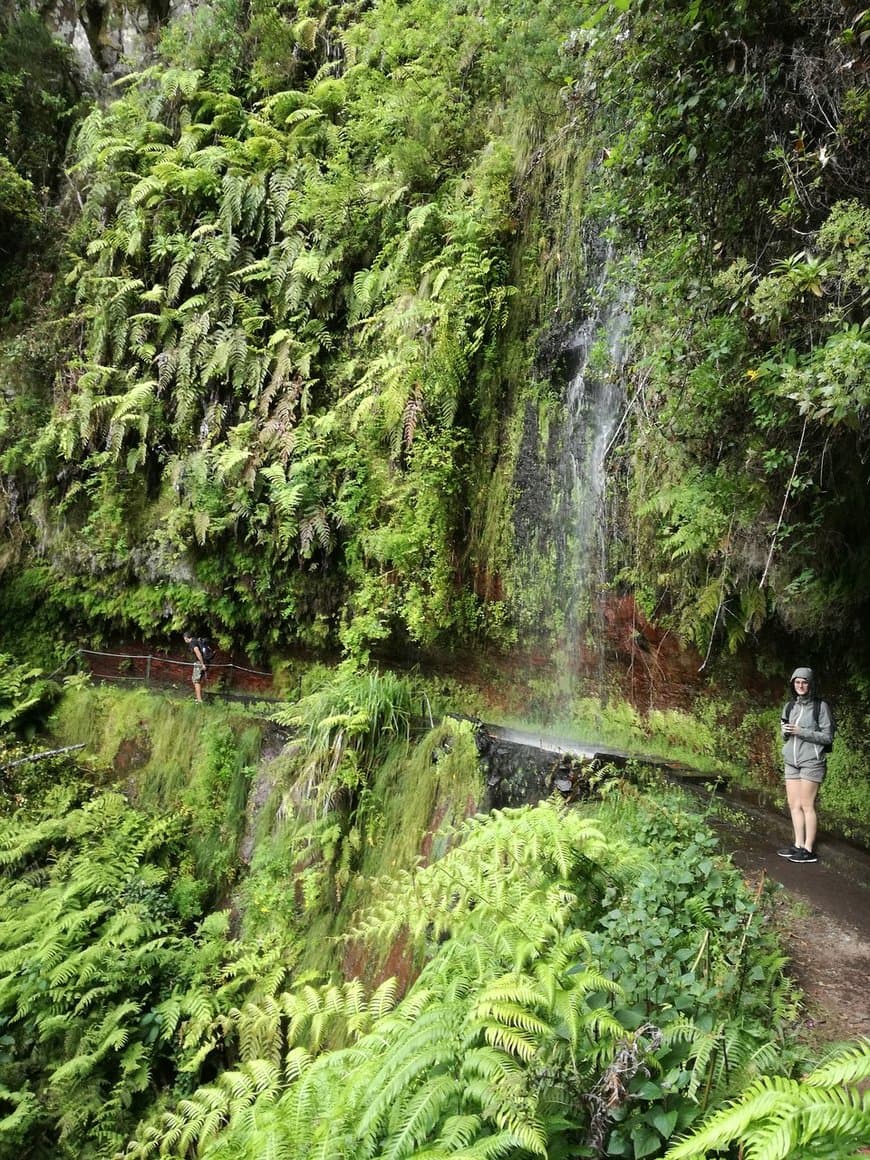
{"points": [[560, 513], [593, 406]]}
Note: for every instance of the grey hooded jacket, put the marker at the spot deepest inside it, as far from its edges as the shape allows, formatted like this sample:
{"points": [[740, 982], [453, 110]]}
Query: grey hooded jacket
{"points": [[805, 747]]}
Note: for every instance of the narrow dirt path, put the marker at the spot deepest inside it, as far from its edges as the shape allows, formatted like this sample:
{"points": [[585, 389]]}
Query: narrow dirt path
{"points": [[823, 913]]}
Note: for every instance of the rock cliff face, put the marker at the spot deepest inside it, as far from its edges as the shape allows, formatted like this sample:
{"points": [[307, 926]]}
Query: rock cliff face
{"points": [[110, 37]]}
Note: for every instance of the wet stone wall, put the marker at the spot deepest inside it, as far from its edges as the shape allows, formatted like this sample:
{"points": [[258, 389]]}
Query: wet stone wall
{"points": [[517, 775]]}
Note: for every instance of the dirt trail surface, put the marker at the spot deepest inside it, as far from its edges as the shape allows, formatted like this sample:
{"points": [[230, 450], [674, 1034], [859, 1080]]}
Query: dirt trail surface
{"points": [[825, 929]]}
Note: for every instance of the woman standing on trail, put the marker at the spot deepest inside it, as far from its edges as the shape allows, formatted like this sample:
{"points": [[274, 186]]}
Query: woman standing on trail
{"points": [[807, 731]]}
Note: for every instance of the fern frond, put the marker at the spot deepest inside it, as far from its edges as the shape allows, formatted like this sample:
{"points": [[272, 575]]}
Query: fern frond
{"points": [[420, 1114], [497, 1068], [775, 1115], [847, 1064]]}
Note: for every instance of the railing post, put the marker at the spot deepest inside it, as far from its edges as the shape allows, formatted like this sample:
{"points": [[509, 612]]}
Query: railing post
{"points": [[148, 671]]}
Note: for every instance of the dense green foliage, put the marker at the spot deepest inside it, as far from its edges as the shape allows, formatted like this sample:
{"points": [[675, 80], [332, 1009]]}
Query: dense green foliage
{"points": [[284, 353], [749, 403], [197, 770], [39, 102], [306, 353], [295, 369], [776, 1117], [25, 695], [529, 1023], [276, 312], [99, 971]]}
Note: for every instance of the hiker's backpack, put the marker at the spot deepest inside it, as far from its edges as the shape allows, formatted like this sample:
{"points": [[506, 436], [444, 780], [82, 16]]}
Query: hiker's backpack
{"points": [[207, 649], [786, 714]]}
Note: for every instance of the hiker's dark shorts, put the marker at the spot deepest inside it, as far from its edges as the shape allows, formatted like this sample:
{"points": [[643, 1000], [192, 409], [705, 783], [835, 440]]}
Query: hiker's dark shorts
{"points": [[806, 772]]}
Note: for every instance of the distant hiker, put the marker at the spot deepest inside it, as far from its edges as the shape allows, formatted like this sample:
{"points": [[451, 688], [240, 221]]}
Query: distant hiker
{"points": [[808, 732], [202, 654]]}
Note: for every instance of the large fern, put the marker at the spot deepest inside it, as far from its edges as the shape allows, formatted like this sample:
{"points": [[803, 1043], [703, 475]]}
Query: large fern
{"points": [[487, 1052], [103, 993]]}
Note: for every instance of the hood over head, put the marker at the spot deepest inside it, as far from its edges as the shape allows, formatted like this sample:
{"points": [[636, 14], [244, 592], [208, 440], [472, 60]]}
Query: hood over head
{"points": [[805, 674]]}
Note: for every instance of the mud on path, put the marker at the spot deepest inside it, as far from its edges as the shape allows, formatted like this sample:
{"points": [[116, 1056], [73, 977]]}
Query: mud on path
{"points": [[831, 964]]}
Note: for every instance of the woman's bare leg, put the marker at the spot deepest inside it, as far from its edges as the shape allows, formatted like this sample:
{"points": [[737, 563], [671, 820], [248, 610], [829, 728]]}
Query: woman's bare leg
{"points": [[801, 795], [793, 796], [808, 791]]}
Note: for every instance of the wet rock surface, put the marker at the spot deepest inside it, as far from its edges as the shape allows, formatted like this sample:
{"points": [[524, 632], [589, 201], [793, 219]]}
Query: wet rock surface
{"points": [[518, 773], [522, 768]]}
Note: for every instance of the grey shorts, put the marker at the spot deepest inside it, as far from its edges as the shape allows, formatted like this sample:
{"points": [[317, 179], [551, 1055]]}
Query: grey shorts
{"points": [[198, 672], [806, 772]]}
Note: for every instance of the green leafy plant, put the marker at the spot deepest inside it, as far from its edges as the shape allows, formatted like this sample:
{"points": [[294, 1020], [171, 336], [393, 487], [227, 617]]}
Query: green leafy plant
{"points": [[25, 693], [350, 721], [529, 1028], [780, 1118]]}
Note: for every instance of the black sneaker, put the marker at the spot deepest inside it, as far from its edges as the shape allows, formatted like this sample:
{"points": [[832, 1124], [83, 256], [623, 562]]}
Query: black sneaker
{"points": [[788, 851], [801, 855]]}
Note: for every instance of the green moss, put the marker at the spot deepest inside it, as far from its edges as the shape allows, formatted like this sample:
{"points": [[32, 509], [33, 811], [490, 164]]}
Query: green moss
{"points": [[171, 756], [316, 873], [669, 735], [421, 793], [421, 790]]}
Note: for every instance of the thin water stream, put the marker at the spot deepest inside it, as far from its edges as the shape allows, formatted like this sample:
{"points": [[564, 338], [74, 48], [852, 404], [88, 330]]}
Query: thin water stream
{"points": [[593, 406], [562, 540]]}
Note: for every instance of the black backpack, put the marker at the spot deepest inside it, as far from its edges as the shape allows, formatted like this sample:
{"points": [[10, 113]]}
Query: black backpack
{"points": [[786, 714], [205, 647]]}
